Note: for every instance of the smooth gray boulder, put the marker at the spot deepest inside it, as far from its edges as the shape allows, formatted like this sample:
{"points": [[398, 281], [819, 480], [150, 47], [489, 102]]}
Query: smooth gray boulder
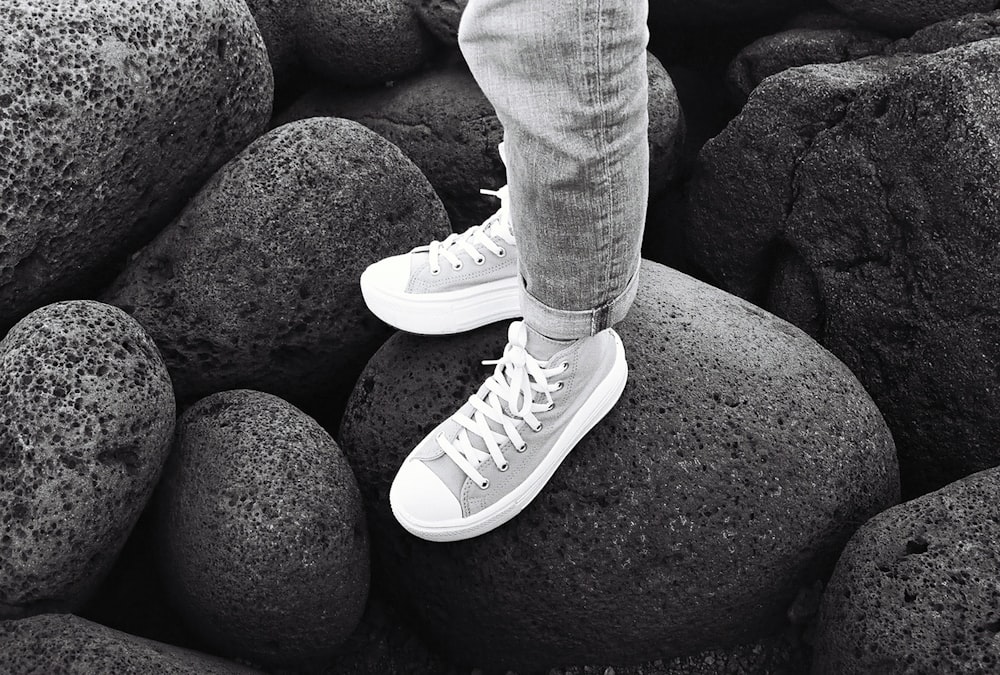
{"points": [[738, 462], [86, 420], [112, 114], [256, 284], [263, 540]]}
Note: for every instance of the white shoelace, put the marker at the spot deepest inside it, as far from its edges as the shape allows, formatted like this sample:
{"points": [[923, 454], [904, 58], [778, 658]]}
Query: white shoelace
{"points": [[484, 236], [509, 398]]}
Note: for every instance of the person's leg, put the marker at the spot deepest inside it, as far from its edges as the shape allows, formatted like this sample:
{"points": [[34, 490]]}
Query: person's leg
{"points": [[569, 83], [568, 80]]}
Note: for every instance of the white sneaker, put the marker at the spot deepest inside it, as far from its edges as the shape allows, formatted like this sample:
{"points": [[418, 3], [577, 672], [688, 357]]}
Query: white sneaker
{"points": [[483, 465], [464, 282]]}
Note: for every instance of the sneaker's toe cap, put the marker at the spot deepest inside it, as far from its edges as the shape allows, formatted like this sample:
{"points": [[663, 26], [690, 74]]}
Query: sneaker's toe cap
{"points": [[389, 275], [419, 496]]}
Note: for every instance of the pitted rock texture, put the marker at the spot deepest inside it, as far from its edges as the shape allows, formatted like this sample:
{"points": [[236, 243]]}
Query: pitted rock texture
{"points": [[361, 41], [443, 122], [442, 18], [256, 284], [859, 202], [949, 33], [736, 465], [63, 644], [86, 420], [915, 591], [798, 47], [111, 116], [277, 24], [263, 537], [905, 16]]}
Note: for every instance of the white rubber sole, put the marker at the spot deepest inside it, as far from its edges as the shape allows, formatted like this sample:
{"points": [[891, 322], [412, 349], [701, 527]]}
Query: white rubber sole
{"points": [[444, 313], [604, 398]]}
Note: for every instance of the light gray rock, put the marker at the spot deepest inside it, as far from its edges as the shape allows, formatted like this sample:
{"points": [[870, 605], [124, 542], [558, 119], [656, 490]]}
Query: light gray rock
{"points": [[86, 420], [736, 465]]}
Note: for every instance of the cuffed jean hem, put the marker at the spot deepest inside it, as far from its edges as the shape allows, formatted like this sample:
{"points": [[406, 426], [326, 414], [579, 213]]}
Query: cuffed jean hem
{"points": [[563, 324]]}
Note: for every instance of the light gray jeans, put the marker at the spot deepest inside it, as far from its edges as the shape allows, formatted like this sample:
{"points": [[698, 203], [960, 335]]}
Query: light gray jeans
{"points": [[568, 81]]}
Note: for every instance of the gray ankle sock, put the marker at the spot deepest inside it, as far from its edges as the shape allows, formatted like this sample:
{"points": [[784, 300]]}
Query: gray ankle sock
{"points": [[544, 348]]}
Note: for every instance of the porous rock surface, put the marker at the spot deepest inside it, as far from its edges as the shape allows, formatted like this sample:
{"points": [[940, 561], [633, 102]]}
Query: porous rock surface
{"points": [[949, 33], [263, 537], [442, 18], [86, 419], [798, 47], [444, 123], [915, 591], [256, 284], [64, 644], [859, 201], [905, 16], [736, 465], [112, 113]]}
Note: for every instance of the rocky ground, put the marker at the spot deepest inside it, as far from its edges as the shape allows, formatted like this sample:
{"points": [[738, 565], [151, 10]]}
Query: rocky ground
{"points": [[200, 420]]}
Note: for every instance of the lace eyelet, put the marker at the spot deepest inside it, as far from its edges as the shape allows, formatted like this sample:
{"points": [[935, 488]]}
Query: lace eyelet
{"points": [[559, 385], [435, 271], [458, 266], [501, 253], [504, 466], [550, 406], [480, 260], [485, 484], [538, 428], [565, 366], [522, 447]]}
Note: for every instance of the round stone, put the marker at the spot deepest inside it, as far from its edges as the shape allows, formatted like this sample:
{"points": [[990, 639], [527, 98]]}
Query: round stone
{"points": [[86, 420], [263, 537]]}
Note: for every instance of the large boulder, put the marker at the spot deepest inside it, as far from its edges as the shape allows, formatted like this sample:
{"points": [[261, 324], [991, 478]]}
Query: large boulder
{"points": [[915, 591], [444, 123], [263, 538], [905, 16], [949, 33], [256, 284], [669, 13], [357, 42], [63, 644], [112, 113], [86, 419], [442, 18], [859, 201], [738, 462]]}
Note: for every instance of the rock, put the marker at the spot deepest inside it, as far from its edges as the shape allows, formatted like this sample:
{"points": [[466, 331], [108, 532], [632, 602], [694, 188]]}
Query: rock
{"points": [[256, 284], [441, 17], [86, 418], [859, 202], [731, 473], [798, 47], [111, 116], [361, 42], [443, 122], [263, 537], [277, 22], [697, 13], [68, 645], [949, 33], [915, 589], [905, 16]]}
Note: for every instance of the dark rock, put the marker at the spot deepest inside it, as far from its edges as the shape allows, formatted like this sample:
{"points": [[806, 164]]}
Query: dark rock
{"points": [[702, 12], [277, 22], [915, 591], [111, 116], [735, 467], [86, 419], [905, 16], [264, 541], [859, 201], [799, 47], [361, 41], [949, 33], [63, 644], [256, 284], [443, 122], [442, 18]]}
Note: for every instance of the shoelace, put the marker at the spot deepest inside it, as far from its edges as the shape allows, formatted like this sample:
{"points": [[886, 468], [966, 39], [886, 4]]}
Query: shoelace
{"points": [[484, 236], [510, 397]]}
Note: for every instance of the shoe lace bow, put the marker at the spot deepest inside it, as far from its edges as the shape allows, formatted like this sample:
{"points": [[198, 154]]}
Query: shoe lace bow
{"points": [[508, 398], [497, 228]]}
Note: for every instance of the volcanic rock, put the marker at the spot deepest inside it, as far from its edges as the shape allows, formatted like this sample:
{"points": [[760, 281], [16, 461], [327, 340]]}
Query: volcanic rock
{"points": [[905, 16]]}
